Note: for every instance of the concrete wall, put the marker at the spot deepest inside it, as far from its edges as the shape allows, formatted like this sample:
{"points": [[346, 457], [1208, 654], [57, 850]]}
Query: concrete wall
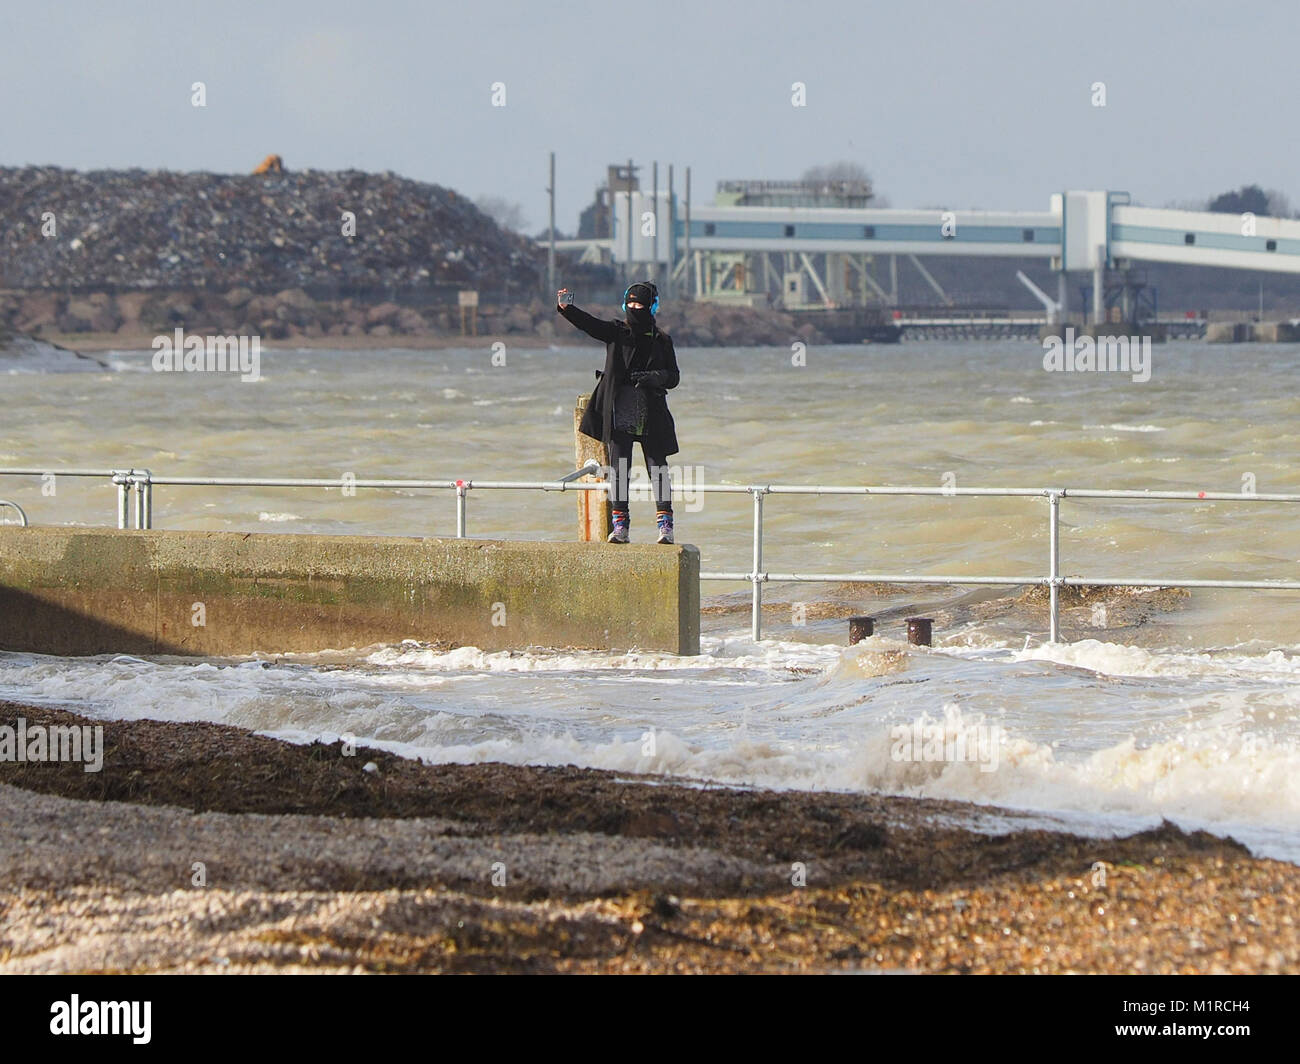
{"points": [[1245, 332], [93, 591]]}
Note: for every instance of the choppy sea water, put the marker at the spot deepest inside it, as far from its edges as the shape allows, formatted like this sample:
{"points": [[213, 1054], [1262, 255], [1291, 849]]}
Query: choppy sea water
{"points": [[1161, 705]]}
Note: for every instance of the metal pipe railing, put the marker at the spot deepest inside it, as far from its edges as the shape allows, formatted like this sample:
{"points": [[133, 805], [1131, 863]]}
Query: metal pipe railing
{"points": [[757, 576], [1054, 565], [122, 479], [136, 485], [461, 488]]}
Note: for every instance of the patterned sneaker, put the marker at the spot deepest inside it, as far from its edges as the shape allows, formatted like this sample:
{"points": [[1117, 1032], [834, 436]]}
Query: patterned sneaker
{"points": [[622, 523], [664, 519]]}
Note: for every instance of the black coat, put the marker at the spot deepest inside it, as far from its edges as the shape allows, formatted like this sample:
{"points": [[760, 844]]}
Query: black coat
{"points": [[660, 437]]}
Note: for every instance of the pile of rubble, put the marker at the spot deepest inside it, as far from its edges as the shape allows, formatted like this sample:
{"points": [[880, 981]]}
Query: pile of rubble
{"points": [[288, 255], [120, 230]]}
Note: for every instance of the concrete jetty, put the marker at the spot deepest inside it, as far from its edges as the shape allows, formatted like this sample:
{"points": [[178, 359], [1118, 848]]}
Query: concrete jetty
{"points": [[1245, 332], [79, 591], [1147, 329]]}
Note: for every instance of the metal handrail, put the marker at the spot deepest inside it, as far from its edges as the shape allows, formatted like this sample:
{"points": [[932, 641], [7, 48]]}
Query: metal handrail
{"points": [[22, 514], [138, 483]]}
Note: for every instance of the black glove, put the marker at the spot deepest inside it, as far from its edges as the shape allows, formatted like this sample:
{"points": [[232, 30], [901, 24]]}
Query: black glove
{"points": [[640, 376]]}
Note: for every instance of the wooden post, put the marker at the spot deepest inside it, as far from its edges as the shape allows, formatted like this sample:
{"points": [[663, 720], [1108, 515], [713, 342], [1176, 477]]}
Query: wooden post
{"points": [[468, 302], [594, 521]]}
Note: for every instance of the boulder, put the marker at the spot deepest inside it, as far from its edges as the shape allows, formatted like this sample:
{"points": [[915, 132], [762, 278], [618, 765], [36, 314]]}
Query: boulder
{"points": [[518, 320], [294, 307], [383, 314], [98, 313], [67, 322], [272, 329], [155, 314], [128, 305], [295, 297], [410, 321], [38, 310], [260, 307]]}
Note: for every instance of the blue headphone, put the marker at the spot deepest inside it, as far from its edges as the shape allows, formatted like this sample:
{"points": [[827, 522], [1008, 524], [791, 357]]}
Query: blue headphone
{"points": [[654, 307]]}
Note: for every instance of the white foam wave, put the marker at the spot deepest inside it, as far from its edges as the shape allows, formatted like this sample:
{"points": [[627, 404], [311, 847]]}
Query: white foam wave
{"points": [[1128, 428], [1208, 740], [1118, 659], [728, 652]]}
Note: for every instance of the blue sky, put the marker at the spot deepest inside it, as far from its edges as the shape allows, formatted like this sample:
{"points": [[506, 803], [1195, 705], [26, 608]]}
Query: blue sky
{"points": [[956, 104]]}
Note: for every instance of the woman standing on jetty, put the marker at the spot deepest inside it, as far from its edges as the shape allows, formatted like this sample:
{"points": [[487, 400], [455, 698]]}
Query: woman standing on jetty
{"points": [[630, 401]]}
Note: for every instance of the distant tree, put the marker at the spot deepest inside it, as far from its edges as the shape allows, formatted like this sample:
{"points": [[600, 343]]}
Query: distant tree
{"points": [[506, 214], [1278, 204], [844, 170], [1250, 198]]}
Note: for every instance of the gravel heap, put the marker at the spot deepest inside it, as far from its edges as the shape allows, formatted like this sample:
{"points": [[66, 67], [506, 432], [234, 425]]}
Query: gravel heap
{"points": [[311, 860], [136, 229]]}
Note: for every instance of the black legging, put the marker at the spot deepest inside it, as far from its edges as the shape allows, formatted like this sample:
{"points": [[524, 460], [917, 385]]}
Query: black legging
{"points": [[620, 464]]}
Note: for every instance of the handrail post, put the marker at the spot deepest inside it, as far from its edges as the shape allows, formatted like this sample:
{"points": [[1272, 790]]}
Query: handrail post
{"points": [[1054, 564], [756, 622], [462, 486], [143, 485], [122, 479]]}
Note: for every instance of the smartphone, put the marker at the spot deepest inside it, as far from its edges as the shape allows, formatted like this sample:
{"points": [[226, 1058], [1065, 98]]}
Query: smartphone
{"points": [[566, 298]]}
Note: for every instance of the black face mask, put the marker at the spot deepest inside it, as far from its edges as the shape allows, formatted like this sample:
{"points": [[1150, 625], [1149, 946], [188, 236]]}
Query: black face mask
{"points": [[640, 319]]}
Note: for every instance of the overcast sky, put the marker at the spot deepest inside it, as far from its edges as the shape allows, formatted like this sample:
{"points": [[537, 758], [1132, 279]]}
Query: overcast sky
{"points": [[960, 103]]}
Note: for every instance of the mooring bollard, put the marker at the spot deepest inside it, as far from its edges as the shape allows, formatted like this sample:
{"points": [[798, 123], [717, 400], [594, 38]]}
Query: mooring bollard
{"points": [[918, 631], [594, 519], [861, 628]]}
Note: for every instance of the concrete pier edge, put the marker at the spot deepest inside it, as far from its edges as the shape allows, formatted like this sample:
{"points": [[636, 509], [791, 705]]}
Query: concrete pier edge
{"points": [[76, 591]]}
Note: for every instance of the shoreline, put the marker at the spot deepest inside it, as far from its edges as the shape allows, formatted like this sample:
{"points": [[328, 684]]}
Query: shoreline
{"points": [[318, 861], [96, 343]]}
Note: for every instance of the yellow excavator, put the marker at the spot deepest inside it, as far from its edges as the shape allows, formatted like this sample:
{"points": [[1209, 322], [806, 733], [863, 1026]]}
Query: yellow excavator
{"points": [[272, 164]]}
